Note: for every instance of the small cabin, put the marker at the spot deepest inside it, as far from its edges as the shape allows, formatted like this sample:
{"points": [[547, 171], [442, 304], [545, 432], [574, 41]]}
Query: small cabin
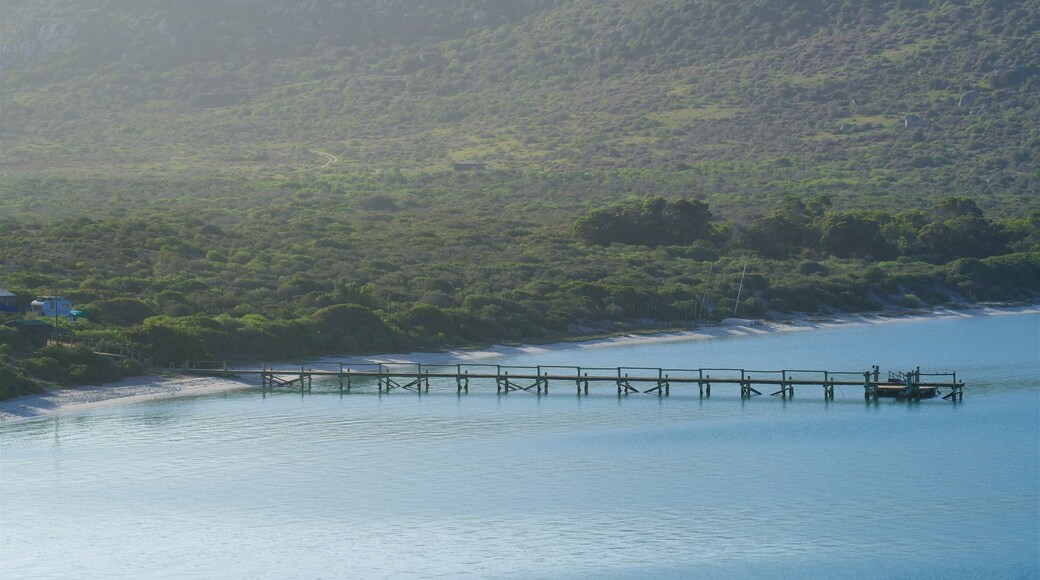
{"points": [[51, 307], [37, 332], [7, 302]]}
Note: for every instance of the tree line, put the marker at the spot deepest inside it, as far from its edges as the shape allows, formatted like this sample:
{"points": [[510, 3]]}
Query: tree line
{"points": [[955, 227]]}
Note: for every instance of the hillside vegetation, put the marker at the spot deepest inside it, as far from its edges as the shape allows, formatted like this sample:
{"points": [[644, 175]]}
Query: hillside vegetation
{"points": [[274, 177], [380, 84]]}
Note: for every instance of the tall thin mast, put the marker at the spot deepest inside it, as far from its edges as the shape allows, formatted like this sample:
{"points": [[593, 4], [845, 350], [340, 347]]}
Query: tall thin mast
{"points": [[740, 288], [705, 297]]}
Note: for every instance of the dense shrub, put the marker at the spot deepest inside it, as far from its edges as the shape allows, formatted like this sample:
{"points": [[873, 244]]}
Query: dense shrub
{"points": [[651, 222], [14, 382], [75, 366], [119, 311], [351, 328]]}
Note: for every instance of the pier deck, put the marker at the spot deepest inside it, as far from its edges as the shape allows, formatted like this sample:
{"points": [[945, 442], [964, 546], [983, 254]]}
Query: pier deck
{"points": [[627, 380]]}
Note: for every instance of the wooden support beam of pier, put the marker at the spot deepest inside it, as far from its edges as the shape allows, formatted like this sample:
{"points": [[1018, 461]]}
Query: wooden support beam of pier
{"points": [[662, 387], [624, 387], [506, 385], [747, 391], [414, 385], [956, 393]]}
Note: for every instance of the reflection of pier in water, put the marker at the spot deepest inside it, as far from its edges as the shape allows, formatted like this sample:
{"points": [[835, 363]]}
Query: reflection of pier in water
{"points": [[417, 377]]}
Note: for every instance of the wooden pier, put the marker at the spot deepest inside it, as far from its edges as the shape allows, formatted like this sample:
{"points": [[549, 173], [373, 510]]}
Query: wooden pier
{"points": [[911, 385]]}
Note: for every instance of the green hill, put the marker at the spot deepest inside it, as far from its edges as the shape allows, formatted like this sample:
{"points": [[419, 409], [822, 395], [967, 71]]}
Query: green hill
{"points": [[149, 84]]}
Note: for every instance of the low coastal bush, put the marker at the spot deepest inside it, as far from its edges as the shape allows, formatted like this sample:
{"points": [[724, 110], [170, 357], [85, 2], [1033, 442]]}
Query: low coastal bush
{"points": [[74, 366], [909, 301], [14, 382]]}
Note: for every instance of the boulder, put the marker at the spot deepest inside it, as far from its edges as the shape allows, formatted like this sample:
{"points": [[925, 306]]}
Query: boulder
{"points": [[1010, 76], [912, 121]]}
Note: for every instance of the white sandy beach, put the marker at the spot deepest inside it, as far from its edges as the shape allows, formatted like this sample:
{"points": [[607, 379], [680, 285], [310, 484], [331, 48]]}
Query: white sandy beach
{"points": [[149, 388], [702, 333]]}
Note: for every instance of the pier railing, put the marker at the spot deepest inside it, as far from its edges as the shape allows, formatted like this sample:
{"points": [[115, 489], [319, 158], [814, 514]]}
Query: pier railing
{"points": [[627, 380]]}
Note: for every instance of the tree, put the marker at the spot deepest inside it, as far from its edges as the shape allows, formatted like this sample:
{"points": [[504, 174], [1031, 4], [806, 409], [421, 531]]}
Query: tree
{"points": [[425, 320], [120, 311], [818, 206], [687, 221], [652, 222], [346, 327], [961, 237], [777, 236], [850, 236], [954, 207], [903, 229], [170, 339], [599, 226], [793, 208]]}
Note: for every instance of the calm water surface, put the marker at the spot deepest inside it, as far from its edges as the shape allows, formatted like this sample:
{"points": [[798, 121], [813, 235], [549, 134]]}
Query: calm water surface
{"points": [[527, 486]]}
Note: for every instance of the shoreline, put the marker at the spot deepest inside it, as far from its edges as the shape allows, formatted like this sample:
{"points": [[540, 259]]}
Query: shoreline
{"points": [[156, 387], [794, 324]]}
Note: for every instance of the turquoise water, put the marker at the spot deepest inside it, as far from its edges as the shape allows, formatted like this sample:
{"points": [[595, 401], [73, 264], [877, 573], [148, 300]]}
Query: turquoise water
{"points": [[525, 486]]}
